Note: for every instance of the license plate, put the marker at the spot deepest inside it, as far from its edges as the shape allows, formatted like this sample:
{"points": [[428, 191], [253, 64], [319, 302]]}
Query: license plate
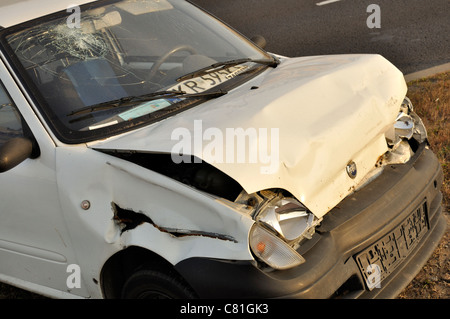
{"points": [[380, 259], [210, 80]]}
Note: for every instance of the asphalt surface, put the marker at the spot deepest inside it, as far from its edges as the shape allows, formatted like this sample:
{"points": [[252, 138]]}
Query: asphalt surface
{"points": [[414, 34]]}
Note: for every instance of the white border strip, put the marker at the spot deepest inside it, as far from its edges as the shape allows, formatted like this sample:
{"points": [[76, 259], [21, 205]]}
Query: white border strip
{"points": [[326, 2]]}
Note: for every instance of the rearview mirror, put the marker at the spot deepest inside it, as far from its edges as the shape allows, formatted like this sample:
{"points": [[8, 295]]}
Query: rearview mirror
{"points": [[14, 152]]}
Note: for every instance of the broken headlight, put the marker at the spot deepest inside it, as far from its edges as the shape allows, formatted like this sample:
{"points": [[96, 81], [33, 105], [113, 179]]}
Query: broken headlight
{"points": [[282, 224], [406, 134], [407, 125]]}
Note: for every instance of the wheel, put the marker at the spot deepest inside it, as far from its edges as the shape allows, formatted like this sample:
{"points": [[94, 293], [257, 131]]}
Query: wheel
{"points": [[156, 284], [154, 69]]}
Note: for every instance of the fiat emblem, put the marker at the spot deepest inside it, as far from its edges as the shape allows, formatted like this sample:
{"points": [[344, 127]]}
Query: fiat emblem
{"points": [[352, 170]]}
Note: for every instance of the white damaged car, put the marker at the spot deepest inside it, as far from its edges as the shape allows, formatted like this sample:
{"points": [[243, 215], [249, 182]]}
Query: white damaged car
{"points": [[147, 150]]}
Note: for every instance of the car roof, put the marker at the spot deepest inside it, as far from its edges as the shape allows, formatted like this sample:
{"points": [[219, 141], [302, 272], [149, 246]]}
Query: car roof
{"points": [[14, 12]]}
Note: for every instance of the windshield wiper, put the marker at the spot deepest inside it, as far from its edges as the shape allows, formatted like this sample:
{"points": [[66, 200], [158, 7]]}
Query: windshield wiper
{"points": [[222, 65], [125, 101], [131, 100]]}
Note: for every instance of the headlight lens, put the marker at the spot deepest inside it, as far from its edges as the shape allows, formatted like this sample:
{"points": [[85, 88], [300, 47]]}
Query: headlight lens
{"points": [[408, 125], [288, 217], [282, 224], [273, 250]]}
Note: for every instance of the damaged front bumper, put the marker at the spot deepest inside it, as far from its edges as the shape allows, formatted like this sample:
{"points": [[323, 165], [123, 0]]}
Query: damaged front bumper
{"points": [[364, 221]]}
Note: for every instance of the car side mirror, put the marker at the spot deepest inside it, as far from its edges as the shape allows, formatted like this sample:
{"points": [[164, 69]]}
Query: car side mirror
{"points": [[14, 152], [259, 40]]}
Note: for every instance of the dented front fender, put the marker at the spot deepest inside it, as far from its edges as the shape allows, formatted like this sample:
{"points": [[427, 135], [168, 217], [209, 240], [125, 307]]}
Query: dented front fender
{"points": [[133, 206]]}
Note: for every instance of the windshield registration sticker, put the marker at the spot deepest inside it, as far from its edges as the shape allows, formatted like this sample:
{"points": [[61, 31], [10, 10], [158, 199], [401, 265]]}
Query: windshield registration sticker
{"points": [[205, 82], [144, 109]]}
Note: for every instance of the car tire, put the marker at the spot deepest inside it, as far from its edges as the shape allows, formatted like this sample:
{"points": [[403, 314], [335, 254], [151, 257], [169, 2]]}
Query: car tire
{"points": [[156, 284]]}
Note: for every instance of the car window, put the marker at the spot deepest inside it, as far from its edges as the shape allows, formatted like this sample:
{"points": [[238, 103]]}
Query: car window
{"points": [[125, 49], [10, 119]]}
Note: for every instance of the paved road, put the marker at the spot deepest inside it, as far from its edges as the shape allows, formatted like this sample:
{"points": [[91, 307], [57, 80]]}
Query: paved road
{"points": [[414, 34]]}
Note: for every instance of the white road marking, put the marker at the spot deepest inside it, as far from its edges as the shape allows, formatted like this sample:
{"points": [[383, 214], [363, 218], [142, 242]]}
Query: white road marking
{"points": [[326, 2]]}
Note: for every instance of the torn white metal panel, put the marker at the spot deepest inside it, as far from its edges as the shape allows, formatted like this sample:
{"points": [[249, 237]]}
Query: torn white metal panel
{"points": [[149, 237], [329, 111], [171, 206]]}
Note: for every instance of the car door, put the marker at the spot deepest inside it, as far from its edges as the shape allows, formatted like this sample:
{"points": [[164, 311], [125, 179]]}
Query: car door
{"points": [[35, 248]]}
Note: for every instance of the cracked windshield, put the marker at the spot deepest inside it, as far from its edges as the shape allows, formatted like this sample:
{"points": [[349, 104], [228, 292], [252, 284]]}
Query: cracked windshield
{"points": [[101, 66]]}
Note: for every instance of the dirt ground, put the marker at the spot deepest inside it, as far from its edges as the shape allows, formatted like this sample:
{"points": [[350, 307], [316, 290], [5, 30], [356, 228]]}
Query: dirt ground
{"points": [[431, 98], [433, 281]]}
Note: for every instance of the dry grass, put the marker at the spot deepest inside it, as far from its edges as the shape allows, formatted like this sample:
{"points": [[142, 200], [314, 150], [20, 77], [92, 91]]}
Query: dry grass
{"points": [[431, 98]]}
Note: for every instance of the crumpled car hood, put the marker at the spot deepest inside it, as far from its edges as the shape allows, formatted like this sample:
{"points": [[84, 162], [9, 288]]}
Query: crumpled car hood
{"points": [[329, 111]]}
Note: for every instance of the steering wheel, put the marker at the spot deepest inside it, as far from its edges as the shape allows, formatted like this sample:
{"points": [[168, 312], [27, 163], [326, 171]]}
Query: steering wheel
{"points": [[163, 58]]}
